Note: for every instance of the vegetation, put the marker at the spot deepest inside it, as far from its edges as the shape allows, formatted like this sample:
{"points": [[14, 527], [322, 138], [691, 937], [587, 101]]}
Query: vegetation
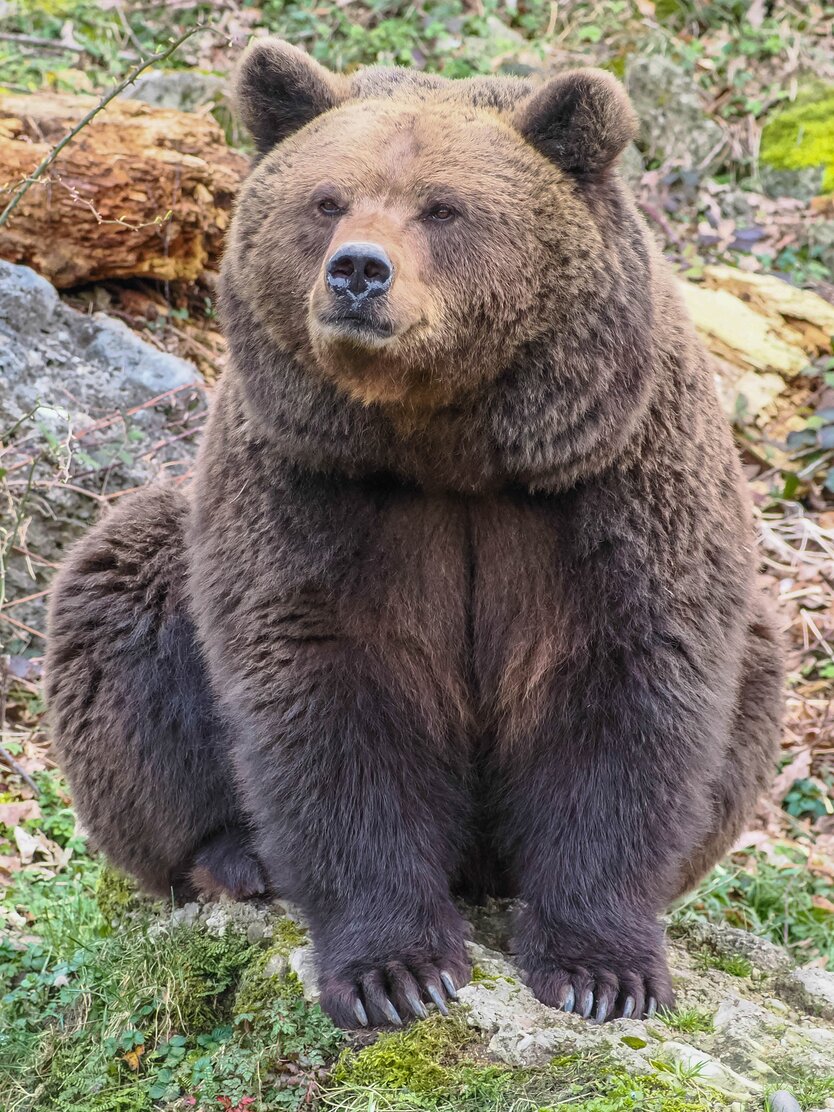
{"points": [[105, 1004]]}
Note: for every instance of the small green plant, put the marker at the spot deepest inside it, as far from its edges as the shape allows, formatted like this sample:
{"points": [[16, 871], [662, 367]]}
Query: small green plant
{"points": [[777, 898], [734, 964], [690, 1021]]}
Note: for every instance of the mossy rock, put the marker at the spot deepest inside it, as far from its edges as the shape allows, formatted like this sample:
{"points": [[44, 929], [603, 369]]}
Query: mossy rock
{"points": [[797, 149]]}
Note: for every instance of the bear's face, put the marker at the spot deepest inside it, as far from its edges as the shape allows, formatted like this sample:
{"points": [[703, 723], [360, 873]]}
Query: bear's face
{"points": [[406, 245]]}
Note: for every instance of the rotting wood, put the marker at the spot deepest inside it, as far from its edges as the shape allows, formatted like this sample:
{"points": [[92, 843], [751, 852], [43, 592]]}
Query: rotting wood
{"points": [[141, 192]]}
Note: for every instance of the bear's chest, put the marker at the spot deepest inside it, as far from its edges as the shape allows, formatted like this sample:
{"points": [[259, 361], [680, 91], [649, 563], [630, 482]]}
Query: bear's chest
{"points": [[465, 595]]}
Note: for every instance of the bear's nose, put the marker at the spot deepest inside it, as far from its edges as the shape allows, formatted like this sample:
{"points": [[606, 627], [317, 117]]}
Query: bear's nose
{"points": [[359, 270]]}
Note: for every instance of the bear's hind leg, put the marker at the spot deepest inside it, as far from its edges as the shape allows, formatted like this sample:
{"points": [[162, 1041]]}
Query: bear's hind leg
{"points": [[750, 762], [225, 863], [134, 723]]}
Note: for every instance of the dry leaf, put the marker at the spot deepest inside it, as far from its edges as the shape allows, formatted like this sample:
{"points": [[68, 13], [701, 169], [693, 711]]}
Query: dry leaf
{"points": [[13, 814], [132, 1057], [798, 769], [27, 845], [756, 13]]}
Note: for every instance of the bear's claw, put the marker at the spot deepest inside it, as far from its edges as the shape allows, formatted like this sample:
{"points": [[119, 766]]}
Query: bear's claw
{"points": [[390, 995], [599, 995], [449, 985], [435, 994]]}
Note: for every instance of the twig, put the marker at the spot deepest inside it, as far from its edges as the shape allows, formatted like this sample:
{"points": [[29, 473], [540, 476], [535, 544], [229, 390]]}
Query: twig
{"points": [[18, 769], [22, 625], [47, 161], [45, 44], [26, 598]]}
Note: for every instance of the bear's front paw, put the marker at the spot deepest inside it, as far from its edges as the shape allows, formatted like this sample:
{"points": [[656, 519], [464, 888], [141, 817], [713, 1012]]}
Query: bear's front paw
{"points": [[599, 979], [390, 993]]}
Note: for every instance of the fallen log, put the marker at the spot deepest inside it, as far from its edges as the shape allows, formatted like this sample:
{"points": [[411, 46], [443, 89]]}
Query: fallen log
{"points": [[139, 192]]}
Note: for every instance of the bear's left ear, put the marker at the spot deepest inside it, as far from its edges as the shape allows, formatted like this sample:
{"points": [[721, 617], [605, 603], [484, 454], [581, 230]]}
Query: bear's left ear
{"points": [[278, 89], [581, 120]]}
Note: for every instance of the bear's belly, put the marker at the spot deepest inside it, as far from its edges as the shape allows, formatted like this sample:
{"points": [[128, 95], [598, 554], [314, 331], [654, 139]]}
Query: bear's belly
{"points": [[462, 597]]}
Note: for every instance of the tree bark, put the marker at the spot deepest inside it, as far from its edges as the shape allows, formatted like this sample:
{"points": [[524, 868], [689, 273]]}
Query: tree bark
{"points": [[139, 192]]}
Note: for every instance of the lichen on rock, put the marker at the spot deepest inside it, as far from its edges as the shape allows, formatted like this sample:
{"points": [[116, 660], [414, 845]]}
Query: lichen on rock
{"points": [[797, 148]]}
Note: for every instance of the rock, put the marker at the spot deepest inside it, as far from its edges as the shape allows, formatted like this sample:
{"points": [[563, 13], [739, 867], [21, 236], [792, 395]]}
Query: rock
{"points": [[81, 391], [801, 184], [674, 124], [796, 154], [726, 941], [277, 965], [742, 1019], [783, 1101], [255, 933], [224, 915], [746, 1035], [509, 52], [754, 1040], [184, 90], [302, 963], [708, 1070], [812, 990], [631, 164]]}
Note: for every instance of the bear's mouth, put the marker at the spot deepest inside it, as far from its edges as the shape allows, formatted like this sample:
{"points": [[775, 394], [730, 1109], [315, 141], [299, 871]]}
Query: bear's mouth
{"points": [[358, 325]]}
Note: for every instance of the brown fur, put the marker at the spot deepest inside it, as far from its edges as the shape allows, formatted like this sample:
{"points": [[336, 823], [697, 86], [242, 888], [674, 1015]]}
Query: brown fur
{"points": [[471, 579]]}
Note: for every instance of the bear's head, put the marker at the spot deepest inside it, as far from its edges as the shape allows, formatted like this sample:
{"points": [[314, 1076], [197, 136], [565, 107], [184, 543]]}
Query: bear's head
{"points": [[404, 237]]}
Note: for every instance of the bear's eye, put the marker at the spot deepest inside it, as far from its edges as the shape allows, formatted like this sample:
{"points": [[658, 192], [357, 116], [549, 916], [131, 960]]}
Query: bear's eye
{"points": [[330, 207], [441, 213]]}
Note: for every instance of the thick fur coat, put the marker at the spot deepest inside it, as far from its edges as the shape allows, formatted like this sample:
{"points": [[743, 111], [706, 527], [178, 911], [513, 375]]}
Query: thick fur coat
{"points": [[462, 599]]}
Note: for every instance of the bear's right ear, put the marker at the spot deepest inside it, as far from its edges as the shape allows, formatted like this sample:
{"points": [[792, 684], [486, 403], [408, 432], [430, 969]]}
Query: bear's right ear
{"points": [[278, 89], [581, 120]]}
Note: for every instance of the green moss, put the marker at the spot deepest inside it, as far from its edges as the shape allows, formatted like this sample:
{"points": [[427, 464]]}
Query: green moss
{"points": [[287, 935], [257, 988], [420, 1058], [481, 977], [437, 1066], [801, 136], [116, 894]]}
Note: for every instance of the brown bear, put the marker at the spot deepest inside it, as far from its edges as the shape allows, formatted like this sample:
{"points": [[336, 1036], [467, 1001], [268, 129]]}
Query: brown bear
{"points": [[462, 600]]}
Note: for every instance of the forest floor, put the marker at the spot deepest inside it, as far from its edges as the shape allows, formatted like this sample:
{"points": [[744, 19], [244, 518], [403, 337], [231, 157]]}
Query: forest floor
{"points": [[97, 1017]]}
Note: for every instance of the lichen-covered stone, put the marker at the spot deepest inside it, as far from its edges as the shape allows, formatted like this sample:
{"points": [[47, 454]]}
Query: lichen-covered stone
{"points": [[812, 990], [62, 371], [797, 147], [709, 1070], [674, 124], [725, 941]]}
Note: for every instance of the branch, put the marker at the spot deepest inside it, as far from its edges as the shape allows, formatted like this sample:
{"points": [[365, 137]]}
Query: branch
{"points": [[120, 88]]}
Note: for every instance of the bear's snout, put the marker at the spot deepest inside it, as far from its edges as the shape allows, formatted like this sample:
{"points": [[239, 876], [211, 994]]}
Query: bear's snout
{"points": [[359, 270]]}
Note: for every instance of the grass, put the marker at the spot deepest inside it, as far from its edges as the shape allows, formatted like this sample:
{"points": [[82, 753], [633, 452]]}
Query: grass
{"points": [[690, 1021], [136, 1017], [98, 1015], [97, 1019], [779, 898]]}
